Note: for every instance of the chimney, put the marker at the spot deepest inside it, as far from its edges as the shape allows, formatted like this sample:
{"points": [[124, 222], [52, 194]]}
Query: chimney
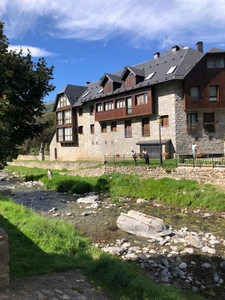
{"points": [[156, 55], [199, 46], [175, 48]]}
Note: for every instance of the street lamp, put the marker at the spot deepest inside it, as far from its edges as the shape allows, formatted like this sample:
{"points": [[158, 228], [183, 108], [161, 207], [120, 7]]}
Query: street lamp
{"points": [[159, 120]]}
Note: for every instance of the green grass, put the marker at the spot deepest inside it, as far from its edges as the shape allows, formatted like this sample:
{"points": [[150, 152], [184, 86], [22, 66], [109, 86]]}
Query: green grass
{"points": [[175, 193], [38, 245]]}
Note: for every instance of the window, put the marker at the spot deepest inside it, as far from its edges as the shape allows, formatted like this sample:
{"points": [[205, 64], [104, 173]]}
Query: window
{"points": [[64, 134], [128, 129], [91, 110], [215, 63], [145, 127], [87, 93], [103, 127], [60, 134], [195, 94], [113, 126], [213, 93], [129, 105], [92, 129], [80, 129], [80, 111], [165, 120], [120, 103], [63, 117], [208, 122], [67, 116], [99, 107], [68, 133], [63, 101], [59, 118], [141, 99], [171, 70], [108, 105], [192, 123], [150, 75]]}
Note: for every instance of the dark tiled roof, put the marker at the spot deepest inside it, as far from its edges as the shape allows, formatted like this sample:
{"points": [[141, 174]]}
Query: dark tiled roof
{"points": [[172, 65], [112, 77], [215, 50], [135, 71], [72, 92]]}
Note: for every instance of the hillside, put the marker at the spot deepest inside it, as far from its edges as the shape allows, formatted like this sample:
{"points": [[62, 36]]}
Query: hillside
{"points": [[49, 106]]}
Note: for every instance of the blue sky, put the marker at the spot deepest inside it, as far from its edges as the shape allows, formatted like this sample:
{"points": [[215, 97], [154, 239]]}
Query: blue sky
{"points": [[83, 39]]}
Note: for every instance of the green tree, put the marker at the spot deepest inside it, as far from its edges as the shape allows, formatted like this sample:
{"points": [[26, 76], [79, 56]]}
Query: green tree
{"points": [[23, 86]]}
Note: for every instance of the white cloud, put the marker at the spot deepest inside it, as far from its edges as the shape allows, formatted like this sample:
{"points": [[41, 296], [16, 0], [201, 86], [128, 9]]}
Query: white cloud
{"points": [[35, 52], [145, 20]]}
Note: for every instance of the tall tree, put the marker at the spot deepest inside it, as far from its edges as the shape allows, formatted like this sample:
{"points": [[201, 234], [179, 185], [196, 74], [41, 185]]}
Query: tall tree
{"points": [[23, 86]]}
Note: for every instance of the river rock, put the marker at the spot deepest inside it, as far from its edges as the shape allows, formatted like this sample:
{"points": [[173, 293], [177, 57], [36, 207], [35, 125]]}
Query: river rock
{"points": [[140, 224], [88, 199], [222, 265], [193, 241]]}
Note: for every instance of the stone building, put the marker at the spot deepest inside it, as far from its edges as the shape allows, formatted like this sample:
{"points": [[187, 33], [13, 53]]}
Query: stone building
{"points": [[184, 86]]}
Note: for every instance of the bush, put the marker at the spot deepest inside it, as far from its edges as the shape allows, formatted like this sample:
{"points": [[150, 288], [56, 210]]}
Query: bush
{"points": [[72, 186]]}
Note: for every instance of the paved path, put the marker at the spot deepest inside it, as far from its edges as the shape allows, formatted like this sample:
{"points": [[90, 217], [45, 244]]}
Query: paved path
{"points": [[70, 285]]}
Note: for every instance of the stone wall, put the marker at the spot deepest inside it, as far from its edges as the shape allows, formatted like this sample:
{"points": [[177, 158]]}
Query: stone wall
{"points": [[4, 260], [210, 175]]}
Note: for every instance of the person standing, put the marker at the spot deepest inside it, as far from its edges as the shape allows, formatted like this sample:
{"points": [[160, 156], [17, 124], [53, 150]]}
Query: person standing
{"points": [[194, 149], [134, 154], [146, 156]]}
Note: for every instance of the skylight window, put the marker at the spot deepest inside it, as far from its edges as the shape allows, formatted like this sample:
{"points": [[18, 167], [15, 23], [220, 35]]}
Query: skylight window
{"points": [[171, 70], [84, 95], [150, 75], [100, 91]]}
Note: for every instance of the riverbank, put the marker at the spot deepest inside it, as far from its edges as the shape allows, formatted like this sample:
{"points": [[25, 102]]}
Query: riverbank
{"points": [[210, 175], [171, 260]]}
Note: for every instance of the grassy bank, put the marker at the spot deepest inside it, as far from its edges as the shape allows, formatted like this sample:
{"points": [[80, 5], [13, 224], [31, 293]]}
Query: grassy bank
{"points": [[176, 193]]}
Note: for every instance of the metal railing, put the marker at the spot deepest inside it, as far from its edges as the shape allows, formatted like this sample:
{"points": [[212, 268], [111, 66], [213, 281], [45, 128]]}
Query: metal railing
{"points": [[128, 160], [206, 160]]}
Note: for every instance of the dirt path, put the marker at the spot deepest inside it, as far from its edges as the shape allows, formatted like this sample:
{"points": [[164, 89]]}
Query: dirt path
{"points": [[58, 286]]}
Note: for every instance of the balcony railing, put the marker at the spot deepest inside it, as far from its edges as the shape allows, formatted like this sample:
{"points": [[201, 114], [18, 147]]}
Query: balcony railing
{"points": [[192, 128]]}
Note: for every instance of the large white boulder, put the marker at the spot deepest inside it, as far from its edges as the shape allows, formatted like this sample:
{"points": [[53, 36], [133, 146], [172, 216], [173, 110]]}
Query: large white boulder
{"points": [[140, 224]]}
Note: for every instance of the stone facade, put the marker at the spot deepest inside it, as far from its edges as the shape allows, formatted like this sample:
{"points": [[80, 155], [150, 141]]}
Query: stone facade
{"points": [[168, 101], [171, 86], [95, 146], [4, 260]]}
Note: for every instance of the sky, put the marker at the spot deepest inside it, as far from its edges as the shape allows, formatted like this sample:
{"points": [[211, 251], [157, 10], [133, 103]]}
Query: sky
{"points": [[84, 39]]}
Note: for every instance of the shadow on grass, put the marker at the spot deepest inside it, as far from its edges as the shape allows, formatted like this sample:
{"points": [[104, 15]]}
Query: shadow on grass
{"points": [[28, 259]]}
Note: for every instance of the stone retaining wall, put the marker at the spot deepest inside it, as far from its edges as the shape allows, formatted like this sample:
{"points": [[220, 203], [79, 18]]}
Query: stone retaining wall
{"points": [[4, 260], [210, 175]]}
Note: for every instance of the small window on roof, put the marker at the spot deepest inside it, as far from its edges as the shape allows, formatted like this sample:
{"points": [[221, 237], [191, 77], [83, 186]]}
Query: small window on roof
{"points": [[84, 95], [171, 70], [100, 91], [150, 75]]}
